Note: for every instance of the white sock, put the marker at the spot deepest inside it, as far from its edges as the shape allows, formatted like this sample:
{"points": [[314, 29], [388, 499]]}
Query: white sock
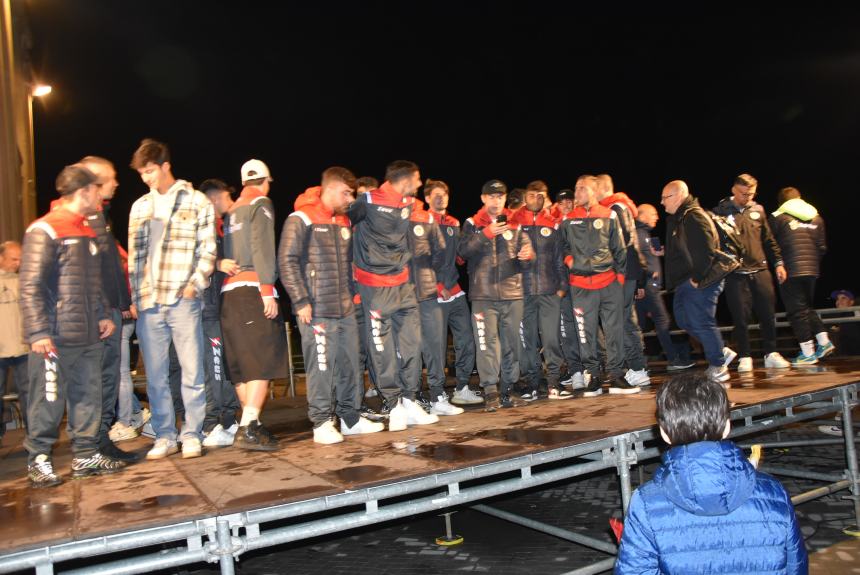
{"points": [[249, 414], [823, 338], [807, 348]]}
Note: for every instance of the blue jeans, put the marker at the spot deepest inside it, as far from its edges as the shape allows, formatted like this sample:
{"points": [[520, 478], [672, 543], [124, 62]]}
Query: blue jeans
{"points": [[127, 403], [653, 306], [156, 328], [695, 312]]}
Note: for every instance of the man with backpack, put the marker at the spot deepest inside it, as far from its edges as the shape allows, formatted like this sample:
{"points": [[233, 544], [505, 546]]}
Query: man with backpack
{"points": [[750, 287]]}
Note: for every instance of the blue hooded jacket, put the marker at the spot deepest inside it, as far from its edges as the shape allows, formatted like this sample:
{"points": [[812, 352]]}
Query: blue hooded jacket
{"points": [[707, 510]]}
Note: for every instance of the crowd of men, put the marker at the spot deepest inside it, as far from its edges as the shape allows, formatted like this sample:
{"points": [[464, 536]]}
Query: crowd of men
{"points": [[556, 293]]}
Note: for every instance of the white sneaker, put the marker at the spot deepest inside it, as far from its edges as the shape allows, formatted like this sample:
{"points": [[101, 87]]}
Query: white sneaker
{"points": [[147, 430], [162, 448], [442, 407], [233, 429], [362, 426], [218, 437], [191, 448], [122, 432], [580, 380], [745, 364], [717, 373], [327, 434], [637, 378], [397, 420], [831, 430], [415, 414], [729, 356], [774, 360], [466, 396]]}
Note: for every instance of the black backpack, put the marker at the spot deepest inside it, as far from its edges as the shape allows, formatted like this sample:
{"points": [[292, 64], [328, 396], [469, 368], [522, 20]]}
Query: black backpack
{"points": [[728, 235]]}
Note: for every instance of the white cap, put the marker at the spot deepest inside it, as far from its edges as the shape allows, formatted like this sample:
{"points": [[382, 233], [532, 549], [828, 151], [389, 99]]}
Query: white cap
{"points": [[255, 169]]}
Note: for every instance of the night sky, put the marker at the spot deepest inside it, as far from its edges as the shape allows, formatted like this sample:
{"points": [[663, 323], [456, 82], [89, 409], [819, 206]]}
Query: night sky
{"points": [[468, 90]]}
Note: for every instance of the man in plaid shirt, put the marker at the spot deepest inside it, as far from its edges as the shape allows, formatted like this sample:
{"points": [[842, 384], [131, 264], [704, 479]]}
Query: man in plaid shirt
{"points": [[172, 250]]}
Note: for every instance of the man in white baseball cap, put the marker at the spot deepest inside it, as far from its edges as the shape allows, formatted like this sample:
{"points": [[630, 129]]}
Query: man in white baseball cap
{"points": [[254, 170]]}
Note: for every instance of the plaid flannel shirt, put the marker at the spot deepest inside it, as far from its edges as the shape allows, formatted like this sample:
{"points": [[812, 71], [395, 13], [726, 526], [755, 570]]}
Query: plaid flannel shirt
{"points": [[188, 249]]}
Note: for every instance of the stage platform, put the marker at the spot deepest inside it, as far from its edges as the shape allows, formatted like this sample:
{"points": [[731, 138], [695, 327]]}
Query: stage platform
{"points": [[178, 512]]}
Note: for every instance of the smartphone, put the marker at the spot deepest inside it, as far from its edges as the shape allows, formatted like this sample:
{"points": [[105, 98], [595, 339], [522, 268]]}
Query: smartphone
{"points": [[501, 218], [654, 242]]}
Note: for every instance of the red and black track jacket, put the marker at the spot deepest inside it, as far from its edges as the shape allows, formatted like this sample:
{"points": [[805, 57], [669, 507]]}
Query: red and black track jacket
{"points": [[592, 245], [547, 275], [427, 245]]}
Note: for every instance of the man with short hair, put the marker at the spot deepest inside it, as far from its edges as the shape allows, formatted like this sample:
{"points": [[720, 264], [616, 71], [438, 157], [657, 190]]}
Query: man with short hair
{"points": [[594, 252], [365, 184], [691, 244], [13, 348], [61, 264], [496, 251], [451, 297], [255, 341], [750, 287], [315, 259], [172, 251], [115, 290], [381, 267]]}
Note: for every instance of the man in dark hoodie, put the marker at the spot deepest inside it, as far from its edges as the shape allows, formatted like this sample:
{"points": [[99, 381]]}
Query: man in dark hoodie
{"points": [[691, 243], [799, 231], [750, 287], [707, 491]]}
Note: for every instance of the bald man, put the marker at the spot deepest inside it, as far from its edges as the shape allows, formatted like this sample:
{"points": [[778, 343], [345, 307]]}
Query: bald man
{"points": [[691, 242], [652, 305]]}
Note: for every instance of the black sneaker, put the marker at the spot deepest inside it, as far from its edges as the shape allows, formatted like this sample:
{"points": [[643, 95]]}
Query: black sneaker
{"points": [[620, 385], [594, 387], [255, 437], [423, 402], [370, 415], [95, 464], [41, 472], [110, 449], [680, 364], [529, 396], [509, 401]]}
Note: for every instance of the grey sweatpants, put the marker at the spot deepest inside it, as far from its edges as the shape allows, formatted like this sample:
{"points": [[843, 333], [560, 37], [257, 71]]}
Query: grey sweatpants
{"points": [[70, 378], [330, 351], [496, 326], [540, 329], [605, 305]]}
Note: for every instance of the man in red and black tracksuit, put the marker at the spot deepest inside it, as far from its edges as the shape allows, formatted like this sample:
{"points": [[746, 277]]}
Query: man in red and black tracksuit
{"points": [[315, 258], [451, 297], [496, 251], [594, 251], [543, 290], [381, 267], [65, 321], [428, 251]]}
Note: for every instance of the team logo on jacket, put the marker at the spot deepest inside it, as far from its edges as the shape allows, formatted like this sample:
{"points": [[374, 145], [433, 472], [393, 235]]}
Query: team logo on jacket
{"points": [[508, 235], [319, 340], [51, 377], [404, 213], [345, 233], [545, 232], [754, 215], [94, 249], [482, 331], [376, 329], [450, 231], [598, 224], [419, 230]]}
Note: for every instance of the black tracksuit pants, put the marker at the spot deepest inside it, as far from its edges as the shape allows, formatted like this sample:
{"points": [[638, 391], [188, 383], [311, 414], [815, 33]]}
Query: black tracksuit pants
{"points": [[455, 314], [433, 346], [540, 330], [569, 336], [606, 306], [798, 296], [746, 293], [496, 326]]}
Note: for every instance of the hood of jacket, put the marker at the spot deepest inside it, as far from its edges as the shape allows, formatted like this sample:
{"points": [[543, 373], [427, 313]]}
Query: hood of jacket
{"points": [[798, 208], [620, 198], [707, 478], [483, 219], [525, 217]]}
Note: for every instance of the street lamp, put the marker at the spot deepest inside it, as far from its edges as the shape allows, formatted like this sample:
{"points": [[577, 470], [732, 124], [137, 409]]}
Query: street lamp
{"points": [[36, 90], [39, 90]]}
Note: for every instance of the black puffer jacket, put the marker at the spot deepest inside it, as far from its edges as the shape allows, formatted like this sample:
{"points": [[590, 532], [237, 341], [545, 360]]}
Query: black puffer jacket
{"points": [[653, 265], [799, 231], [427, 245], [760, 247], [691, 241], [114, 284], [315, 258], [495, 273], [381, 219], [61, 282], [546, 275]]}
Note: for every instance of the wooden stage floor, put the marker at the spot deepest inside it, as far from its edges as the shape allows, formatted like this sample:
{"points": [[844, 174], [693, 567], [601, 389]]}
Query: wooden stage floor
{"points": [[156, 493]]}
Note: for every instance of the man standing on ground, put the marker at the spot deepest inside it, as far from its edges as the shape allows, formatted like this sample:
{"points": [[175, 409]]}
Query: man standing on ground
{"points": [[61, 265], [750, 287], [496, 251], [172, 250], [13, 347], [381, 267], [255, 341]]}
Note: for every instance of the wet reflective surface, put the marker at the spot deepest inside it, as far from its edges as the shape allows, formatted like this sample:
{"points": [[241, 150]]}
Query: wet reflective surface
{"points": [[156, 502]]}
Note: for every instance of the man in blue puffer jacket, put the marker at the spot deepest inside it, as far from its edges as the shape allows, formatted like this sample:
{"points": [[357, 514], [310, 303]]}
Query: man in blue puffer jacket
{"points": [[707, 510]]}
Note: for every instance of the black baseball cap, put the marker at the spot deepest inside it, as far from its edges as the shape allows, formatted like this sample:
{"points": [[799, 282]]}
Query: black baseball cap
{"points": [[565, 194], [494, 187]]}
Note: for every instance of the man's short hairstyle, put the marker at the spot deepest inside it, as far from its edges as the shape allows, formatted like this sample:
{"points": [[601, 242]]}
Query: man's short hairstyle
{"points": [[96, 160], [590, 179], [339, 174], [515, 198], [367, 182], [746, 181], [691, 408], [400, 169], [150, 151], [786, 194], [537, 186], [73, 178], [431, 185], [215, 185], [8, 244]]}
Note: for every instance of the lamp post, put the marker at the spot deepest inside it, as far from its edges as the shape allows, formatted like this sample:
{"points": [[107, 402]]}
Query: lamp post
{"points": [[36, 90]]}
